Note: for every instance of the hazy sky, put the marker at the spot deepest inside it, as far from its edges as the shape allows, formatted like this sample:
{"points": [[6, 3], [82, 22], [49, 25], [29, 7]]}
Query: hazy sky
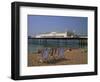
{"points": [[40, 24]]}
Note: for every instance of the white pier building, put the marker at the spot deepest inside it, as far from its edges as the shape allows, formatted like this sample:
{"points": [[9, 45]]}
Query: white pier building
{"points": [[55, 35]]}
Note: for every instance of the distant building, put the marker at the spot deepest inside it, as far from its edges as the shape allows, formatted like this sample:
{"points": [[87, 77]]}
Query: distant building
{"points": [[56, 35]]}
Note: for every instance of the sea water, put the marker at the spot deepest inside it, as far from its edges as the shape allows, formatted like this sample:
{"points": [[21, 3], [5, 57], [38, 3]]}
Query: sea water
{"points": [[35, 44]]}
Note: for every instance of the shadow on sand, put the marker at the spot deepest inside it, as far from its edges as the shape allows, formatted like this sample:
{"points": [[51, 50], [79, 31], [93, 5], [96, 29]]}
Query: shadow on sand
{"points": [[54, 61]]}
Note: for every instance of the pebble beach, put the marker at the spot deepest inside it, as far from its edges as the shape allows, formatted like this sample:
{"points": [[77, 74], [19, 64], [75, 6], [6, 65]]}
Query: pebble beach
{"points": [[71, 57]]}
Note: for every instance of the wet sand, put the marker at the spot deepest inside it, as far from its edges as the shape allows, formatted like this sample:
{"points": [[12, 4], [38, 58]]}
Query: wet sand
{"points": [[73, 57]]}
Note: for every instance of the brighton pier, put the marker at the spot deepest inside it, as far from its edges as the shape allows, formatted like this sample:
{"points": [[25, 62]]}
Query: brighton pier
{"points": [[71, 35]]}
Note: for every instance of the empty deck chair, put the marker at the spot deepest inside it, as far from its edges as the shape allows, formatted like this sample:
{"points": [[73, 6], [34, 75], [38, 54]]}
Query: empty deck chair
{"points": [[61, 52], [45, 53]]}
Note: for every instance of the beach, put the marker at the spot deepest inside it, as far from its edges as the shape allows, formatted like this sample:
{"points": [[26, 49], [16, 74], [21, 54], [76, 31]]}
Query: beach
{"points": [[74, 56]]}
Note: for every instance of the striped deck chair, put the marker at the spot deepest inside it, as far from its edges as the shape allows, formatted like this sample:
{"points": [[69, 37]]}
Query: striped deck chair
{"points": [[45, 54], [61, 52]]}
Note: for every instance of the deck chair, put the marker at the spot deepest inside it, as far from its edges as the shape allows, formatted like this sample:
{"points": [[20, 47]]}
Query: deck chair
{"points": [[61, 52], [45, 54]]}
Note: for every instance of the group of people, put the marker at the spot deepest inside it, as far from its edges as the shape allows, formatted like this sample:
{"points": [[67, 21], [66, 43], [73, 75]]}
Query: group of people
{"points": [[51, 52]]}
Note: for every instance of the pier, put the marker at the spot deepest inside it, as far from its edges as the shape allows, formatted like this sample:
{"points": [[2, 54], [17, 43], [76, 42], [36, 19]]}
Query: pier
{"points": [[59, 42]]}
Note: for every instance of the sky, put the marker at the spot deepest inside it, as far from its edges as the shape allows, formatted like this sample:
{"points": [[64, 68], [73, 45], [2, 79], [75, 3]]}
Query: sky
{"points": [[38, 24]]}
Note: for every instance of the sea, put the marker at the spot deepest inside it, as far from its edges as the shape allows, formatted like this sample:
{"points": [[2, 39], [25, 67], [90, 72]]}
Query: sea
{"points": [[35, 44]]}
